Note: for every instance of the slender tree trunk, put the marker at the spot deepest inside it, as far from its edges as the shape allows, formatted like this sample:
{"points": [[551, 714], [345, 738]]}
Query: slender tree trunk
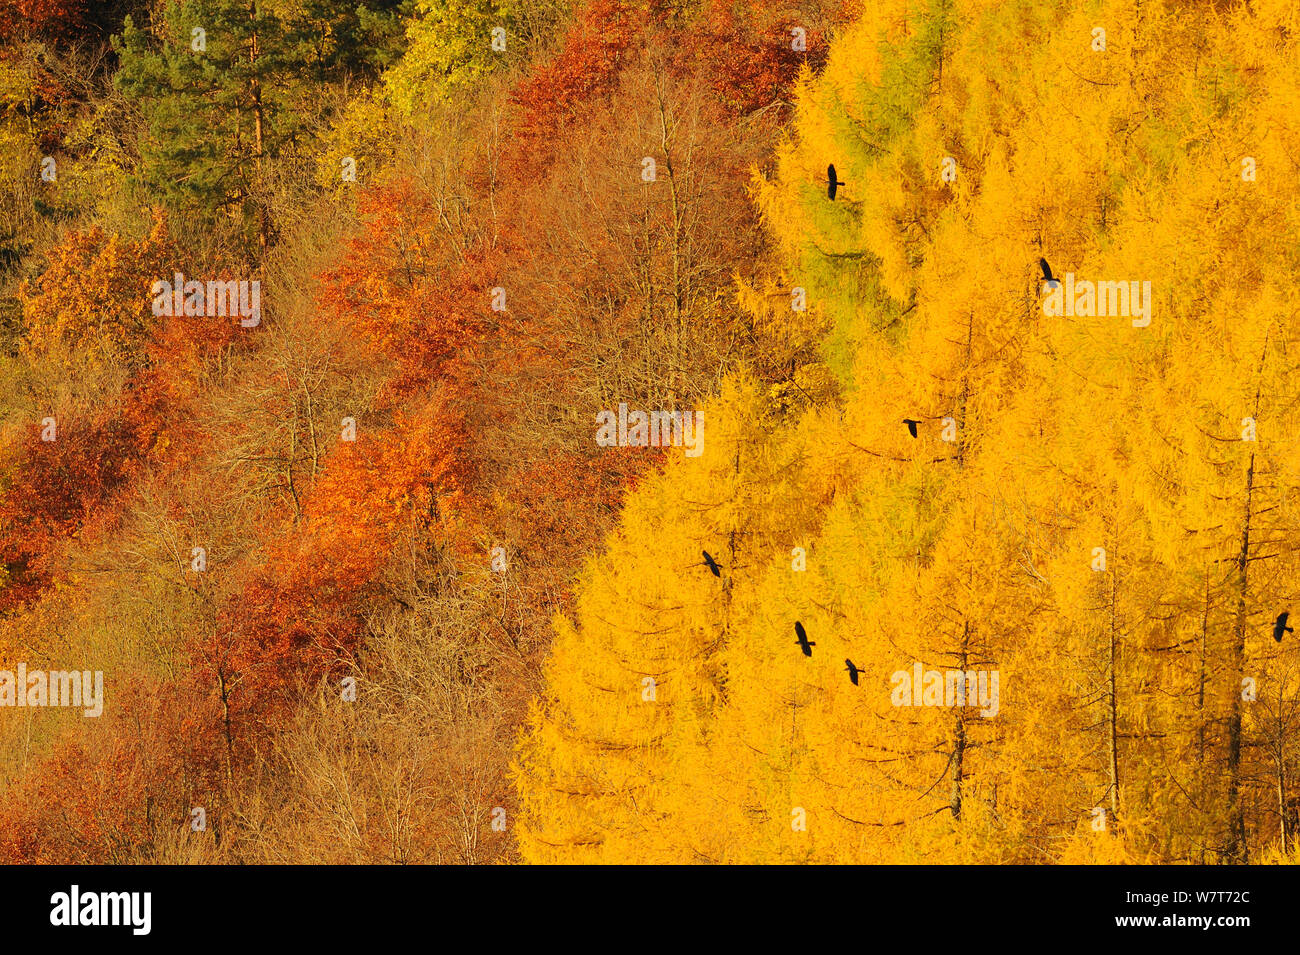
{"points": [[1281, 798], [225, 719], [1237, 851], [263, 221], [665, 137], [1202, 673], [288, 469], [1112, 716], [1202, 676], [959, 732]]}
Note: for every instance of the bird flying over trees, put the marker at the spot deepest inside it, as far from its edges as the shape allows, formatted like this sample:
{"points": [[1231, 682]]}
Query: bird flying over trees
{"points": [[911, 425], [1047, 271], [1280, 627], [710, 563], [832, 182], [804, 643], [853, 672]]}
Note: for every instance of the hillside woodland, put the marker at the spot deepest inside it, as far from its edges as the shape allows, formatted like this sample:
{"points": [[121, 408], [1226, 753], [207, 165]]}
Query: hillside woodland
{"points": [[363, 584]]}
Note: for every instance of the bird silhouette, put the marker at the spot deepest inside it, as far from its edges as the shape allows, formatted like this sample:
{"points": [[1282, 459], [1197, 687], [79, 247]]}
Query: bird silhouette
{"points": [[710, 563], [805, 644], [911, 425], [1280, 626], [1047, 272], [853, 672], [832, 182]]}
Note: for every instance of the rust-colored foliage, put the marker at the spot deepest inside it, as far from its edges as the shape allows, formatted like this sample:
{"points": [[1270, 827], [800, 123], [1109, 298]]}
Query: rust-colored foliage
{"points": [[56, 19], [303, 610], [53, 489], [90, 310], [745, 51], [402, 292], [122, 785], [587, 65]]}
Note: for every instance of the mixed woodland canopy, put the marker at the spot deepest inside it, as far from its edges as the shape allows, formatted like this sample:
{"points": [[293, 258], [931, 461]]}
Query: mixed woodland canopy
{"points": [[364, 586]]}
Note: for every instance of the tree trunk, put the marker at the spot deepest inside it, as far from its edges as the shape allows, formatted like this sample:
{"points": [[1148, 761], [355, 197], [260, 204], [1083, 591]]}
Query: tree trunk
{"points": [[959, 734], [1112, 716], [263, 220], [1236, 850]]}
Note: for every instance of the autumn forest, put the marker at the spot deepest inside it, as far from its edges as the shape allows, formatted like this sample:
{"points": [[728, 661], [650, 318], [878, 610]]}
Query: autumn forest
{"points": [[649, 431]]}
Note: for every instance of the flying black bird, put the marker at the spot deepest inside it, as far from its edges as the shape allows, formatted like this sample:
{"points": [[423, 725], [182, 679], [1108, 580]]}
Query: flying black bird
{"points": [[804, 643], [911, 425], [1280, 626], [832, 183], [853, 672], [710, 563], [1047, 272]]}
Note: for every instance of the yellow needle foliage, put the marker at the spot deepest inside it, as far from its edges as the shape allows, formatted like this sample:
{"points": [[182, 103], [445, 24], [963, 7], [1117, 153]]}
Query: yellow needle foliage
{"points": [[1098, 509]]}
